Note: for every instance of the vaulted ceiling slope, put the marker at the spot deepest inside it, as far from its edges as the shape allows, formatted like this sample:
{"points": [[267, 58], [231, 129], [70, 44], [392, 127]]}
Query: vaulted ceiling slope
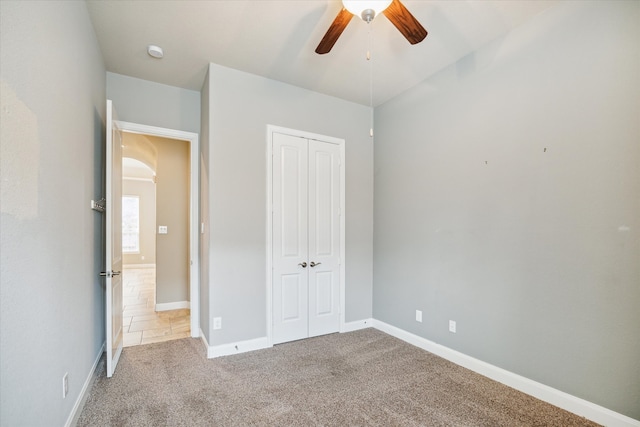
{"points": [[277, 38]]}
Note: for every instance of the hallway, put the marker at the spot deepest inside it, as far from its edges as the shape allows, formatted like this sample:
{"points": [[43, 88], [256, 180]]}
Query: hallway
{"points": [[142, 324]]}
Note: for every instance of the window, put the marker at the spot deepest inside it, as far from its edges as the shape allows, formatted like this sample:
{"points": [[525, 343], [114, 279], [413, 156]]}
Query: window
{"points": [[131, 224]]}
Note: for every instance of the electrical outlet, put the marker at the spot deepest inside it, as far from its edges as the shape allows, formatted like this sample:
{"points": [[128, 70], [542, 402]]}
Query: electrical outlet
{"points": [[452, 326], [217, 323], [418, 315], [65, 385]]}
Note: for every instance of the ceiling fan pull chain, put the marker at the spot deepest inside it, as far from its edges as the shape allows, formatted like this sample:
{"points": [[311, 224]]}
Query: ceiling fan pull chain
{"points": [[370, 75]]}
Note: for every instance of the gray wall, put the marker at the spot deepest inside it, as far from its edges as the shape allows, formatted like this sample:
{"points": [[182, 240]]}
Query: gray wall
{"points": [[205, 253], [52, 99], [146, 192], [172, 210], [240, 107], [535, 254], [154, 104]]}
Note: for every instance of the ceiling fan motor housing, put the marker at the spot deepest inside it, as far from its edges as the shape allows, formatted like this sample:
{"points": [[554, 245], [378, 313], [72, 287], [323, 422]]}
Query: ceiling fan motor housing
{"points": [[368, 15]]}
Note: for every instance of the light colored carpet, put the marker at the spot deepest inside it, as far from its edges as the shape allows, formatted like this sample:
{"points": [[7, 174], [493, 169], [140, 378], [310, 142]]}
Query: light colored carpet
{"points": [[362, 378]]}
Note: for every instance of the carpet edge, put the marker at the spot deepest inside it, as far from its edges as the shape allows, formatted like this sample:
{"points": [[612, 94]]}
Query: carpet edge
{"points": [[561, 399]]}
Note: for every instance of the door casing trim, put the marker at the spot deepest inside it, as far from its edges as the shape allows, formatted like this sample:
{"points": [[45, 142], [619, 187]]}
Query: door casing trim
{"points": [[271, 129]]}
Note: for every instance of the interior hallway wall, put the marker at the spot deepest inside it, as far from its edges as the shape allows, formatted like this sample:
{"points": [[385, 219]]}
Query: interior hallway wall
{"points": [[154, 104], [240, 107], [52, 153], [172, 211], [507, 198]]}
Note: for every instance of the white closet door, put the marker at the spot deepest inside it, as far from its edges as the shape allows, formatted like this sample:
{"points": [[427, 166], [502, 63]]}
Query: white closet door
{"points": [[290, 241], [324, 238]]}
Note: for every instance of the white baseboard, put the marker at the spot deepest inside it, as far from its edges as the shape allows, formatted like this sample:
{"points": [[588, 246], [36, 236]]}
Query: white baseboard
{"points": [[356, 325], [84, 393], [177, 305], [576, 405], [237, 347], [138, 266], [261, 343]]}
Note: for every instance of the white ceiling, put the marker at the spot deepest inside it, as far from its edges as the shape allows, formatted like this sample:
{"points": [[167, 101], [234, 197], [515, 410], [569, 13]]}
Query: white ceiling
{"points": [[277, 39]]}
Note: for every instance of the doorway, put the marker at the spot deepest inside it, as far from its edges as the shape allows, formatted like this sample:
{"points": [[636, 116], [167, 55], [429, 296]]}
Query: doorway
{"points": [[141, 324], [146, 319], [178, 312], [305, 234]]}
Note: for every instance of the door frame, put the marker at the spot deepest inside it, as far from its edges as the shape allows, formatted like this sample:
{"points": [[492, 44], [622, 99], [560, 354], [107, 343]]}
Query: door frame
{"points": [[194, 206], [271, 129]]}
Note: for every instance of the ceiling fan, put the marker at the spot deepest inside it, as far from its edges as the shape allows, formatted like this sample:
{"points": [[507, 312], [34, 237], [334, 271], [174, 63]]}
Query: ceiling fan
{"points": [[367, 10]]}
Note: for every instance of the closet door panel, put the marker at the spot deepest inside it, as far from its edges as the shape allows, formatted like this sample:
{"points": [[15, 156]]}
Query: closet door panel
{"points": [[290, 238], [324, 238]]}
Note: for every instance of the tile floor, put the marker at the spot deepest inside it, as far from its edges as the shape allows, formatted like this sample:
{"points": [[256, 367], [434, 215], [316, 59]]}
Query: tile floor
{"points": [[142, 324]]}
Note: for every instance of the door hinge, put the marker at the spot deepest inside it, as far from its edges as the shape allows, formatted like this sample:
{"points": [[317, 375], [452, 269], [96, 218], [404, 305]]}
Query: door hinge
{"points": [[100, 205]]}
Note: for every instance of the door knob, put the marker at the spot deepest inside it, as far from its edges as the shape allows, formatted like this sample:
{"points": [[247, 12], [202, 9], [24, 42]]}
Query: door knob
{"points": [[109, 273], [303, 264], [313, 263]]}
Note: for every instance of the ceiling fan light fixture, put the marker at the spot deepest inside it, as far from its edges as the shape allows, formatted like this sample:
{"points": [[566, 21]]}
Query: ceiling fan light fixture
{"points": [[366, 9]]}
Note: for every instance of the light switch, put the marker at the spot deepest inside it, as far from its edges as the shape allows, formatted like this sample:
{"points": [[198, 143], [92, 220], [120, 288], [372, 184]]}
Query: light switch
{"points": [[162, 229]]}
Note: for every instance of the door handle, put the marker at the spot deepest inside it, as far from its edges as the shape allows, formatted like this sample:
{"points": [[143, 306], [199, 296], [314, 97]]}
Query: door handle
{"points": [[313, 263], [303, 264], [109, 273]]}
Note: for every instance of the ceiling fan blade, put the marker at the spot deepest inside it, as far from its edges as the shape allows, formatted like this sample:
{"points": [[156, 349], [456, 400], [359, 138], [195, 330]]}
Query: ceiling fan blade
{"points": [[405, 22], [337, 27]]}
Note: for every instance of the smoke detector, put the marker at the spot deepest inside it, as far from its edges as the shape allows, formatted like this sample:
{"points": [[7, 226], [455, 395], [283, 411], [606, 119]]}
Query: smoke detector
{"points": [[155, 51]]}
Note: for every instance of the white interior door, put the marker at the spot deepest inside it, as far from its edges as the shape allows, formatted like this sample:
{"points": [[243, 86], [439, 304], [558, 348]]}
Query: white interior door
{"points": [[324, 238], [113, 262], [306, 237], [290, 242]]}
